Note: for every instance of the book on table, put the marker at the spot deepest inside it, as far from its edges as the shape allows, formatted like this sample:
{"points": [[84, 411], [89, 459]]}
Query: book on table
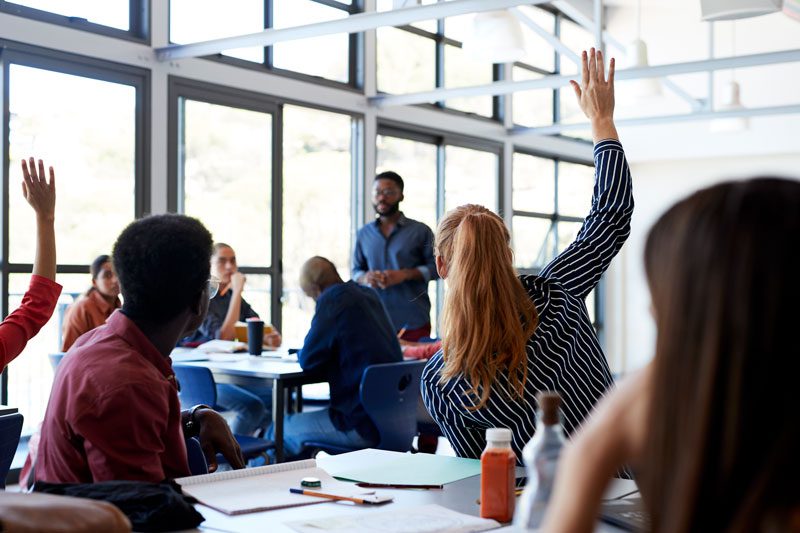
{"points": [[264, 488]]}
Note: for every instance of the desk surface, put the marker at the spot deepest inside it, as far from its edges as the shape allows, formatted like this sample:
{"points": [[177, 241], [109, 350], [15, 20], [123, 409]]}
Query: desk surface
{"points": [[459, 496], [253, 366]]}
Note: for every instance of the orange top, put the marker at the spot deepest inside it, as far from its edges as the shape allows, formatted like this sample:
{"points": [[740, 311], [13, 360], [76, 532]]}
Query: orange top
{"points": [[84, 315]]}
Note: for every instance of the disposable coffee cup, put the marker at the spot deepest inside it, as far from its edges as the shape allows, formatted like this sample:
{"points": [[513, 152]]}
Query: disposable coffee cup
{"points": [[255, 336]]}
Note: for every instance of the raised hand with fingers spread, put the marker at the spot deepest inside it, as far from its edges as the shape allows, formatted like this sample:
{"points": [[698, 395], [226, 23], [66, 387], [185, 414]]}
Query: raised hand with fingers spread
{"points": [[41, 196], [595, 94]]}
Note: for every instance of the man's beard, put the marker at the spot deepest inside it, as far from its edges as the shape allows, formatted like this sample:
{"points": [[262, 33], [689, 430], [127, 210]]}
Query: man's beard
{"points": [[394, 208]]}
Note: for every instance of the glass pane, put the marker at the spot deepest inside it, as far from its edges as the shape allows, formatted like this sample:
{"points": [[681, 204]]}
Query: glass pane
{"points": [[317, 170], [257, 293], [533, 184], [325, 56], [462, 71], [532, 108], [577, 39], [459, 27], [566, 233], [406, 62], [539, 53], [114, 13], [30, 374], [227, 176], [85, 129], [388, 5], [532, 242], [591, 300], [575, 183], [192, 21], [470, 178], [416, 163]]}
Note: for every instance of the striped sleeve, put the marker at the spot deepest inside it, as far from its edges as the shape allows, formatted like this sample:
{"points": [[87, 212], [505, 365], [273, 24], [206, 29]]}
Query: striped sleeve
{"points": [[579, 267]]}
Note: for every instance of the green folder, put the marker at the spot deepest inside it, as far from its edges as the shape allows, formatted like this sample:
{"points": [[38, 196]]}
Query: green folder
{"points": [[380, 466]]}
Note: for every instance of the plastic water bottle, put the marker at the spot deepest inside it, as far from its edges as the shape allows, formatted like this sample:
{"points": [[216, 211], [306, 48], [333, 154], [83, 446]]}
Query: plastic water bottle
{"points": [[541, 460]]}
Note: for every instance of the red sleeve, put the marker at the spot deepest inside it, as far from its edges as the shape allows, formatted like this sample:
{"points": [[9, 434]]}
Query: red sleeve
{"points": [[422, 351], [26, 321]]}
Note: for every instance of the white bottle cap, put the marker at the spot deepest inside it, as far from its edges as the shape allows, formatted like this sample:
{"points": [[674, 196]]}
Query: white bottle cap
{"points": [[498, 435]]}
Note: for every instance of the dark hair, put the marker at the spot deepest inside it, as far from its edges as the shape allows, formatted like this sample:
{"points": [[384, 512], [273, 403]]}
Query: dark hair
{"points": [[163, 264], [393, 176], [723, 438], [97, 265]]}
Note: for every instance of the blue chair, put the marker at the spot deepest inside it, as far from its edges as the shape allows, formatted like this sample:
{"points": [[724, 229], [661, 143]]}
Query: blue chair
{"points": [[198, 387], [197, 461], [10, 430], [390, 395]]}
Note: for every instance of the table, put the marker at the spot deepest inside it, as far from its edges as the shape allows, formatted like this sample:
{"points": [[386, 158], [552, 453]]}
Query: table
{"points": [[458, 496], [253, 370], [6, 410]]}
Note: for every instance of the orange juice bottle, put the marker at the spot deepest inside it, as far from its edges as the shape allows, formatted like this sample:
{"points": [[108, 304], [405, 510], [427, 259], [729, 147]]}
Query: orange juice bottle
{"points": [[498, 466]]}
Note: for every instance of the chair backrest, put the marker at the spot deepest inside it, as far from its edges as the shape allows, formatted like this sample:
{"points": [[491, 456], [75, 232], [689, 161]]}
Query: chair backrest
{"points": [[196, 385], [55, 360], [194, 453], [10, 430], [389, 394]]}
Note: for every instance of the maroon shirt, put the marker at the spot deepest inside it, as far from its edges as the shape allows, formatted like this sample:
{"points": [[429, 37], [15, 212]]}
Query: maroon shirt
{"points": [[113, 411]]}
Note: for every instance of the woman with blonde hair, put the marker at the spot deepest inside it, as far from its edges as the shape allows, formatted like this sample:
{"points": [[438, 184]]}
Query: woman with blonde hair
{"points": [[507, 337]]}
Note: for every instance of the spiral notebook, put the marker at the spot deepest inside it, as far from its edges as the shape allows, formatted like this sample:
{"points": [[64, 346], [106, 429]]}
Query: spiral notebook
{"points": [[263, 488]]}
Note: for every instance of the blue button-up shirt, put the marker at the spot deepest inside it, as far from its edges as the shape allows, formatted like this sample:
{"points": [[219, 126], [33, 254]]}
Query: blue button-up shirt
{"points": [[410, 245]]}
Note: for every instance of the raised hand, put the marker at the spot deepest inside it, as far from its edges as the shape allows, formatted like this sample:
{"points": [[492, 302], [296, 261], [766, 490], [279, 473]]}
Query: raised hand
{"points": [[40, 194], [595, 94]]}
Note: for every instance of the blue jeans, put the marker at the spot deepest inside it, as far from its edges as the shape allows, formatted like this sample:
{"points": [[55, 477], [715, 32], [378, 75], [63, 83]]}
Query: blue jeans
{"points": [[315, 426], [252, 406]]}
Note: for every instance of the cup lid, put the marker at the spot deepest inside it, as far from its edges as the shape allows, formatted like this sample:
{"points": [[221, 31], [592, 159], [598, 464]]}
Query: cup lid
{"points": [[498, 434]]}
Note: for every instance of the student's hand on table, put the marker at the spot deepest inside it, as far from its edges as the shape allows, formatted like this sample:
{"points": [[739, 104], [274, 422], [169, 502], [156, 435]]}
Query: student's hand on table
{"points": [[40, 194], [237, 282], [272, 339], [215, 436], [595, 94]]}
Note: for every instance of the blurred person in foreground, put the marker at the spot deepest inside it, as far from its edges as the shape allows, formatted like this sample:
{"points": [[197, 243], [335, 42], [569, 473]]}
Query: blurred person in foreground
{"points": [[94, 307], [114, 412], [710, 424]]}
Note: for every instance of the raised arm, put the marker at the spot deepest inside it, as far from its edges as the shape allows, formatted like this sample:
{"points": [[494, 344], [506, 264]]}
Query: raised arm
{"points": [[607, 226], [40, 300], [227, 330]]}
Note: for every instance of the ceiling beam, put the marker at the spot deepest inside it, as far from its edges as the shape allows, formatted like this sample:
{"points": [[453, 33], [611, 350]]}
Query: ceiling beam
{"points": [[664, 119], [556, 81], [352, 24]]}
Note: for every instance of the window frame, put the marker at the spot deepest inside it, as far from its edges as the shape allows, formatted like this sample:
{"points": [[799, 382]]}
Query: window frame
{"points": [[65, 63], [355, 67], [138, 12]]}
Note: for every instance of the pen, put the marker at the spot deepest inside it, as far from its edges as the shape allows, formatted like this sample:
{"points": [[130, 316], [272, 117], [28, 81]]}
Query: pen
{"points": [[402, 331], [329, 496], [396, 486]]}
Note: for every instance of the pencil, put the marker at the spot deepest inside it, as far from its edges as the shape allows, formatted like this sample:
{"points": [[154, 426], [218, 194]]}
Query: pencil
{"points": [[329, 496], [396, 486]]}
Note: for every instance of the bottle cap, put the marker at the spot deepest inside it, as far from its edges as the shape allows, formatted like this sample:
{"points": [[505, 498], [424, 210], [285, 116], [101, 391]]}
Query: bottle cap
{"points": [[498, 434], [310, 482], [549, 403]]}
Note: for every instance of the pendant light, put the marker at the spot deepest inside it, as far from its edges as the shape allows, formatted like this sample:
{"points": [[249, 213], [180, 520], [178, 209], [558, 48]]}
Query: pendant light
{"points": [[732, 100], [496, 37], [636, 57]]}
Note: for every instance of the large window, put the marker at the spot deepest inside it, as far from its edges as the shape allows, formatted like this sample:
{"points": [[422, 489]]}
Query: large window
{"points": [[317, 204], [226, 178], [440, 173], [118, 18], [332, 57], [550, 199], [86, 122]]}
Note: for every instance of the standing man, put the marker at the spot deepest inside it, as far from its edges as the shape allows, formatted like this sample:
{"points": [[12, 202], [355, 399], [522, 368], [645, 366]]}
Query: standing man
{"points": [[394, 255], [252, 405]]}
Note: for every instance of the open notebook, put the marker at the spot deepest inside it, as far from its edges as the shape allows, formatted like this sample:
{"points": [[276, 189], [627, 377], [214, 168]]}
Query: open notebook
{"points": [[263, 488]]}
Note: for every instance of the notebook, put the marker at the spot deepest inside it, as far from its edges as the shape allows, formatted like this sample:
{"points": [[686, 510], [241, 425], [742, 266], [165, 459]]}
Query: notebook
{"points": [[263, 488], [222, 346]]}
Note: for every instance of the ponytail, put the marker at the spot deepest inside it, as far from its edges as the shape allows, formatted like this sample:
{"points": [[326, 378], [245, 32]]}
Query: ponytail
{"points": [[487, 317]]}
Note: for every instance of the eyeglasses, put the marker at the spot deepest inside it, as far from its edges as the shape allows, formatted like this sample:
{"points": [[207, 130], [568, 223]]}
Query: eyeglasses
{"points": [[389, 193], [213, 286]]}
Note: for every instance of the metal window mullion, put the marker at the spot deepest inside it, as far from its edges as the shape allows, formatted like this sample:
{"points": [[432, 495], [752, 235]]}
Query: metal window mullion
{"points": [[269, 20], [276, 289], [440, 62], [4, 204]]}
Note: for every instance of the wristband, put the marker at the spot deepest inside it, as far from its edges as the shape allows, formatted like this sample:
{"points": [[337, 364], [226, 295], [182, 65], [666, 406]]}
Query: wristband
{"points": [[191, 427]]}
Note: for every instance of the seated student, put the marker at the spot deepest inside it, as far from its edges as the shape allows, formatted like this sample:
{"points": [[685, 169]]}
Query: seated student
{"points": [[350, 331], [709, 425], [114, 412], [39, 302], [251, 404], [505, 338], [47, 513], [95, 306]]}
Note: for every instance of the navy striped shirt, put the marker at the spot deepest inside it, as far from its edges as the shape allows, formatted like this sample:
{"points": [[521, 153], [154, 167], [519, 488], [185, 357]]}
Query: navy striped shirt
{"points": [[564, 354]]}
